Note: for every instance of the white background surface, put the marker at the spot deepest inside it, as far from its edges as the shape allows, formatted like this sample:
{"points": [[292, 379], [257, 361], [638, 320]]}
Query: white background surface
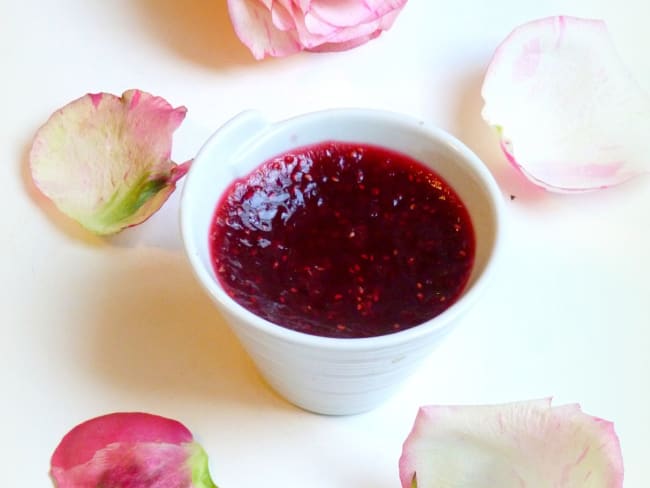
{"points": [[91, 326]]}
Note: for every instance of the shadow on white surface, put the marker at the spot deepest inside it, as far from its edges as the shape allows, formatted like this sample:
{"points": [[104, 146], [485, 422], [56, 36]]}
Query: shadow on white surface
{"points": [[155, 333], [197, 30]]}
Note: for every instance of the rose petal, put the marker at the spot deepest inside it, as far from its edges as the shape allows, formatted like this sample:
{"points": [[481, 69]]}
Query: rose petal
{"points": [[512, 445], [281, 16], [350, 13], [353, 37], [104, 160], [254, 26], [327, 38], [569, 114], [130, 450]]}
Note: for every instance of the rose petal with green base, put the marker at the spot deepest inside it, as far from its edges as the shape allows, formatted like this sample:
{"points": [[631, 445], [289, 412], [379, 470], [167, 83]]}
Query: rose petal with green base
{"points": [[130, 450], [525, 444], [105, 160]]}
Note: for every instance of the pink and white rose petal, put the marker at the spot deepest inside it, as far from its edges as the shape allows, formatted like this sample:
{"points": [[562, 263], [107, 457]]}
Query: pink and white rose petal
{"points": [[570, 115], [525, 444], [283, 27]]}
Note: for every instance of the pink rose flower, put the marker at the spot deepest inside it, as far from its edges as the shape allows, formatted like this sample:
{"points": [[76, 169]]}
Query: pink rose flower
{"points": [[283, 27]]}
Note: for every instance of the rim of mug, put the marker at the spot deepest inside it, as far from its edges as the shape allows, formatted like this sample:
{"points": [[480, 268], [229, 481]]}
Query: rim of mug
{"points": [[436, 324]]}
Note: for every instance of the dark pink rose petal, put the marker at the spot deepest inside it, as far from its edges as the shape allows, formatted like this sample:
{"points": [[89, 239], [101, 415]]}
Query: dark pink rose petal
{"points": [[130, 450]]}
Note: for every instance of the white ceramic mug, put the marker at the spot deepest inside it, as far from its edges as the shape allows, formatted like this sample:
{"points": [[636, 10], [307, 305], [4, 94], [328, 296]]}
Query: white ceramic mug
{"points": [[322, 374]]}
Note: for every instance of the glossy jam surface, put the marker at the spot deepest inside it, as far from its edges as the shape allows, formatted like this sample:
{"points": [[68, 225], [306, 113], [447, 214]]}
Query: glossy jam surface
{"points": [[342, 240]]}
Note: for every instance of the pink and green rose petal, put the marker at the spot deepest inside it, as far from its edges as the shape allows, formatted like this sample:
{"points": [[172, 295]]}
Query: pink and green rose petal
{"points": [[570, 115], [130, 450], [105, 160], [525, 444]]}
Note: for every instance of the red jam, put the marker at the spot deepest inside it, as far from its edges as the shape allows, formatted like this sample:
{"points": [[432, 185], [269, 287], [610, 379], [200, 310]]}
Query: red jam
{"points": [[342, 240]]}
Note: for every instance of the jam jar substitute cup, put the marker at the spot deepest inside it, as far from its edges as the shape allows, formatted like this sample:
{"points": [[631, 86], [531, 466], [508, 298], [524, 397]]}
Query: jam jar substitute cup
{"points": [[327, 375]]}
